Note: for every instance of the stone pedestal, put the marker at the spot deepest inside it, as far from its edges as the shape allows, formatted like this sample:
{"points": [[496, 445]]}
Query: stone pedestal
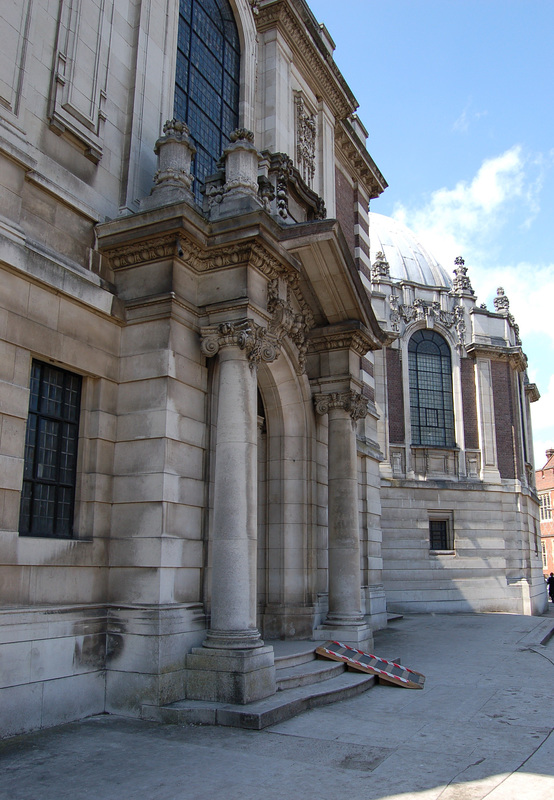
{"points": [[230, 676], [173, 179]]}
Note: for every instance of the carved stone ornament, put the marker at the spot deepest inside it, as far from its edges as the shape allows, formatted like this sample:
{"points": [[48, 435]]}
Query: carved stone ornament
{"points": [[282, 194], [255, 6], [258, 343], [306, 129], [461, 283], [380, 268], [353, 402], [501, 302], [242, 135], [428, 312], [285, 322]]}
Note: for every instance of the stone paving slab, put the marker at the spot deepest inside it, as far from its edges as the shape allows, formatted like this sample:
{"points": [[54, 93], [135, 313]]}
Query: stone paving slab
{"points": [[481, 728]]}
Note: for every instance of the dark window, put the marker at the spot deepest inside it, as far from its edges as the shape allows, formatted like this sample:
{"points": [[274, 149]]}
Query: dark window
{"points": [[439, 534], [431, 407], [207, 80], [48, 494]]}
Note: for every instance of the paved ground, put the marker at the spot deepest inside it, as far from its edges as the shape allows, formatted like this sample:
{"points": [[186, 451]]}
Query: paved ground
{"points": [[481, 728]]}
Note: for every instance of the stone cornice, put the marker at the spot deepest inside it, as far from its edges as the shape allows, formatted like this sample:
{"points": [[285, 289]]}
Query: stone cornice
{"points": [[321, 340], [353, 150], [532, 392], [316, 59], [176, 245], [513, 355]]}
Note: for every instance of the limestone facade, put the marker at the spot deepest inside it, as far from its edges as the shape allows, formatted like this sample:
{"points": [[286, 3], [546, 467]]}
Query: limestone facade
{"points": [[197, 435]]}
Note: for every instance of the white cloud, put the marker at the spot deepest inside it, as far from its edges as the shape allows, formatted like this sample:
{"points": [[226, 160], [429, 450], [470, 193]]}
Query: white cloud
{"points": [[463, 219], [464, 121], [530, 289]]}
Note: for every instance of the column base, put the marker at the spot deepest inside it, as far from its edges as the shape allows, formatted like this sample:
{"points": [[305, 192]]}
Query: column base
{"points": [[233, 640], [230, 676], [358, 636]]}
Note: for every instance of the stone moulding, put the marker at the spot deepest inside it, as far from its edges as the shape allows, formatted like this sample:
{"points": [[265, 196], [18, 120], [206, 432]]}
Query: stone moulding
{"points": [[288, 312], [513, 355], [354, 152], [322, 341]]}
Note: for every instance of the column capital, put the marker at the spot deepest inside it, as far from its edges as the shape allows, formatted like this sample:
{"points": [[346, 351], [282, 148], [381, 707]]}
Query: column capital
{"points": [[257, 342], [352, 402]]}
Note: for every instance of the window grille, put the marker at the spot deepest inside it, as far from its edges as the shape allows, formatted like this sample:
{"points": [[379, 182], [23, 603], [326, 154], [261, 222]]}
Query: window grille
{"points": [[207, 80], [50, 463], [441, 530], [431, 405]]}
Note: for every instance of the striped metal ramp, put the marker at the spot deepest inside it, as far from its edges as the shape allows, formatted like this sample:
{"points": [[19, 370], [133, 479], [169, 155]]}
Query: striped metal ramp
{"points": [[385, 670]]}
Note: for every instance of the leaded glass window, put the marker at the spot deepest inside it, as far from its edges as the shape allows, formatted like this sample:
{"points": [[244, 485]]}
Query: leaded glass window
{"points": [[207, 80], [431, 406], [50, 464]]}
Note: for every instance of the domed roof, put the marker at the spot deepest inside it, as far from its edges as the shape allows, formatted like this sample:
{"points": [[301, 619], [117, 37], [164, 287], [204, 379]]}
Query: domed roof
{"points": [[407, 257]]}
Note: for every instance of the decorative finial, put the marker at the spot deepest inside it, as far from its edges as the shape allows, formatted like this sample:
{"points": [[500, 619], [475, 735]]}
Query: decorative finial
{"points": [[380, 268], [501, 302], [461, 281]]}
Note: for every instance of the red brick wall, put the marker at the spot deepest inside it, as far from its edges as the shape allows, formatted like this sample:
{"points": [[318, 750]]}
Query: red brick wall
{"points": [[469, 404], [505, 418], [345, 199], [397, 430]]}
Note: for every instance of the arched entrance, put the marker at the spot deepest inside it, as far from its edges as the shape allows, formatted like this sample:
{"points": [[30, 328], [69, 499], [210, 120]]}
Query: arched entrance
{"points": [[286, 550]]}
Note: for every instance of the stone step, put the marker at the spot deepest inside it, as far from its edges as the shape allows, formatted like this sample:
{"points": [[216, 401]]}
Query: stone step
{"points": [[279, 707], [306, 674], [300, 653]]}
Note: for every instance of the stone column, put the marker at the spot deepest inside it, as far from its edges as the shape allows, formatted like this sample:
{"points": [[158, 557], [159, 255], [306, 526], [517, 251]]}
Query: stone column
{"points": [[233, 665], [345, 621]]}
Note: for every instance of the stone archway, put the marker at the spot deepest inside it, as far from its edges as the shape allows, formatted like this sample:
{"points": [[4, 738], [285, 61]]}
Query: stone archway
{"points": [[286, 590]]}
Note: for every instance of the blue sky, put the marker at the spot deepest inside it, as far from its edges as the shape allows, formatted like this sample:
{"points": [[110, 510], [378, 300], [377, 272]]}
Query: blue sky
{"points": [[458, 98]]}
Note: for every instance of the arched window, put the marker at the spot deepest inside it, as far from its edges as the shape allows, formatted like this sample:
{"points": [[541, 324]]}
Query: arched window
{"points": [[431, 406], [207, 80]]}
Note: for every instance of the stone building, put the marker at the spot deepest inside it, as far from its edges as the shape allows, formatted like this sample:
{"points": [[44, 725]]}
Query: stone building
{"points": [[235, 406], [545, 487]]}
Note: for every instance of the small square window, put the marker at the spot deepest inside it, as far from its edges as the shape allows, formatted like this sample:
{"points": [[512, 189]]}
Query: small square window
{"points": [[441, 532]]}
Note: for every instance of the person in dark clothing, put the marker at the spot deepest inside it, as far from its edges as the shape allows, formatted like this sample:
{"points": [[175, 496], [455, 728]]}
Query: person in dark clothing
{"points": [[550, 584]]}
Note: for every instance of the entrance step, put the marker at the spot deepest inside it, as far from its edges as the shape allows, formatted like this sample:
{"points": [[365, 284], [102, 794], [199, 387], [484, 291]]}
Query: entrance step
{"points": [[302, 682], [279, 707]]}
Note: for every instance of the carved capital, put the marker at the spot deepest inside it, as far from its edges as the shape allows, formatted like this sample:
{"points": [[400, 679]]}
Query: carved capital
{"points": [[352, 402], [258, 343]]}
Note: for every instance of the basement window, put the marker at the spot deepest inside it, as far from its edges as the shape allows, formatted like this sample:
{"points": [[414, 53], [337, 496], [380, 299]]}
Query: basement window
{"points": [[441, 532]]}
